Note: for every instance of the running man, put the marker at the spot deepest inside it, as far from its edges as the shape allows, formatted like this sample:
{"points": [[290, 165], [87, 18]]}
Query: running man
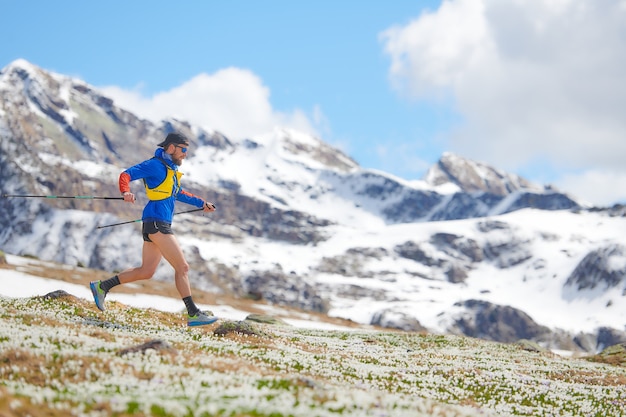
{"points": [[161, 179]]}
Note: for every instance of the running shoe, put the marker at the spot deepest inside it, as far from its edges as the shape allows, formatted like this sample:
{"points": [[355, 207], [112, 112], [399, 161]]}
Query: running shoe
{"points": [[98, 294], [200, 319]]}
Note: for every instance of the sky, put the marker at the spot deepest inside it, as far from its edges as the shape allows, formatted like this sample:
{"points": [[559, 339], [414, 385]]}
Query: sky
{"points": [[532, 87]]}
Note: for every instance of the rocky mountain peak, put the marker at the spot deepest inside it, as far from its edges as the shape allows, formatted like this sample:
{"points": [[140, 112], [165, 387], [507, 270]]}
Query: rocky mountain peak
{"points": [[24, 75], [316, 152], [17, 66], [472, 176]]}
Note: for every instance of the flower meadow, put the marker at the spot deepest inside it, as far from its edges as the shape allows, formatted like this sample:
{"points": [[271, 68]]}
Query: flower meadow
{"points": [[61, 356]]}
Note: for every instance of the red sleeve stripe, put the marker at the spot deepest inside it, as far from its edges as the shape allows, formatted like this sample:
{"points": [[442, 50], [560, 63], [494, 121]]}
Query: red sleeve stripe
{"points": [[188, 194]]}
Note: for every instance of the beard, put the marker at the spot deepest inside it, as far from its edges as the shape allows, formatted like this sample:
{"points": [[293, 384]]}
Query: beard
{"points": [[177, 161]]}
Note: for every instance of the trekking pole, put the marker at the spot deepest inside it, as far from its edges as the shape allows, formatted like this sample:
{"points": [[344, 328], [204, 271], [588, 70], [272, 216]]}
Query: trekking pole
{"points": [[78, 197], [138, 220]]}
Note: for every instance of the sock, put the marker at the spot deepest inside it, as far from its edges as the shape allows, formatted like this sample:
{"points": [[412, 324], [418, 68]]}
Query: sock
{"points": [[192, 308], [107, 284]]}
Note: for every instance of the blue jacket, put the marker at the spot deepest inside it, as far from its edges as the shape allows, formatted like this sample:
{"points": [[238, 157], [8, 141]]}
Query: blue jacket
{"points": [[154, 172]]}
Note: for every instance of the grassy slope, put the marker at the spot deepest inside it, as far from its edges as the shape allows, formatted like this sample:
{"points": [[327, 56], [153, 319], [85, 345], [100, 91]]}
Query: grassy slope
{"points": [[62, 357]]}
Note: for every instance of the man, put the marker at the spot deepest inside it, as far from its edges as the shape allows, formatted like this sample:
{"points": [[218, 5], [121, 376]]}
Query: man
{"points": [[162, 183]]}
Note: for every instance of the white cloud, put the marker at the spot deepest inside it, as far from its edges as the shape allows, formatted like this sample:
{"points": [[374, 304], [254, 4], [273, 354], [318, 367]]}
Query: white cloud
{"points": [[233, 101], [534, 80], [600, 187], [434, 50]]}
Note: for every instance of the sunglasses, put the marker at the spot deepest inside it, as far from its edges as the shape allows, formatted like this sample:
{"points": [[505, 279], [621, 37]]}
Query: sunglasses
{"points": [[182, 148]]}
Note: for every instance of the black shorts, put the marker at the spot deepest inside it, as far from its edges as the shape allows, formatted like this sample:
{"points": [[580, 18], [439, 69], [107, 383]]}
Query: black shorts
{"points": [[150, 228]]}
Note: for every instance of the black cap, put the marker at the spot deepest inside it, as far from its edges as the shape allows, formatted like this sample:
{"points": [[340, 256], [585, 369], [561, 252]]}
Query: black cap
{"points": [[176, 138]]}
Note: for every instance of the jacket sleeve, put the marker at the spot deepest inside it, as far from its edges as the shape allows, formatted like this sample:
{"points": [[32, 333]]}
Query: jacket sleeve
{"points": [[151, 170], [187, 197], [124, 182]]}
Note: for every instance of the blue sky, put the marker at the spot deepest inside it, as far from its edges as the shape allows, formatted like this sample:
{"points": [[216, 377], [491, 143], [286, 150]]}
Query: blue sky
{"points": [[534, 87]]}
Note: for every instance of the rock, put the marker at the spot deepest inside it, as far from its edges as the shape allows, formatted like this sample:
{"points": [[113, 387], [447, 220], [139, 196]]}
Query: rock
{"points": [[458, 247], [472, 176], [279, 288], [354, 262], [530, 346], [456, 274], [155, 344], [58, 294], [484, 320], [604, 268], [262, 318], [397, 320], [239, 327], [413, 251]]}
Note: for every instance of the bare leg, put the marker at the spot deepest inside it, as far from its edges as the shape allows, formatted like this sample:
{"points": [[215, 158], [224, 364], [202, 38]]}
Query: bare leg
{"points": [[150, 258], [171, 251]]}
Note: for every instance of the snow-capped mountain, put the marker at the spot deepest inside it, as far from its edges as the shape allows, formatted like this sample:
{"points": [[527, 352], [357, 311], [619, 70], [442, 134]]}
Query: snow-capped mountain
{"points": [[469, 249]]}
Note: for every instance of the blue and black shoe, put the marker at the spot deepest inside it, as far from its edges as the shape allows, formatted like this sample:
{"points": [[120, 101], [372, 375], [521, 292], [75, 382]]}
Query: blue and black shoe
{"points": [[98, 294]]}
